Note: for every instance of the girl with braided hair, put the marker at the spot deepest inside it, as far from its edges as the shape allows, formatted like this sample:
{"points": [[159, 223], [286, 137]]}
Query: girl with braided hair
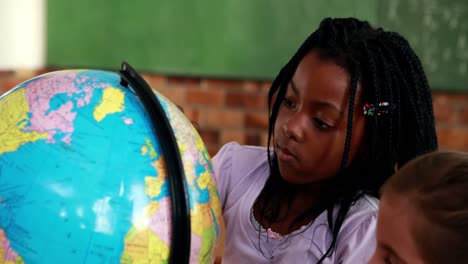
{"points": [[350, 107]]}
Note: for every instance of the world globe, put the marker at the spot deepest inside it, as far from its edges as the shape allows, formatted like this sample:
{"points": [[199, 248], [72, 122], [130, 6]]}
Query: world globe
{"points": [[85, 176]]}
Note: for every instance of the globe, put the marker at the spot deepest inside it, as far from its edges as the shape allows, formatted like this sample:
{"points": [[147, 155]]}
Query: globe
{"points": [[83, 176]]}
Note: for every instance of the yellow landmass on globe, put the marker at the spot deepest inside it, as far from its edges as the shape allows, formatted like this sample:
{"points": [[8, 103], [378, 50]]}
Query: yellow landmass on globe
{"points": [[201, 146], [160, 167], [209, 245], [158, 250], [13, 116], [203, 224], [203, 218], [203, 180], [144, 247], [152, 208], [17, 260], [148, 247], [153, 186], [144, 150], [131, 234], [149, 148], [137, 247], [112, 102], [182, 146]]}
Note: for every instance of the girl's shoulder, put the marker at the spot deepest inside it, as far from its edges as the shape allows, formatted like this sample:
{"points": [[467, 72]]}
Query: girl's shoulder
{"points": [[239, 169], [364, 206], [240, 159], [363, 212], [234, 148], [356, 238]]}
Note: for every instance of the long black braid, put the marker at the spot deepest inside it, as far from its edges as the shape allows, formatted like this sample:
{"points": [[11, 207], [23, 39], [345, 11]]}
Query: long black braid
{"points": [[389, 71]]}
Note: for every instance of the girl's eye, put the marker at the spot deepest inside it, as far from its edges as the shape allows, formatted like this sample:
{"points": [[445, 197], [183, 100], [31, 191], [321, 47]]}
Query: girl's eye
{"points": [[288, 103], [321, 124]]}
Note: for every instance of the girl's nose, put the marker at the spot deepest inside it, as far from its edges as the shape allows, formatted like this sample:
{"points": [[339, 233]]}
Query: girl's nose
{"points": [[293, 128]]}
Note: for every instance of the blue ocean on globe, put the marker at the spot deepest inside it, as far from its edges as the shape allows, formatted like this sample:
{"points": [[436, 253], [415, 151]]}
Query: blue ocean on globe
{"points": [[82, 175]]}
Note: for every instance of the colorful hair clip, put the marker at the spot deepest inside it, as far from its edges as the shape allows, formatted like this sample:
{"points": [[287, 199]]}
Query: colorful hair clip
{"points": [[379, 109]]}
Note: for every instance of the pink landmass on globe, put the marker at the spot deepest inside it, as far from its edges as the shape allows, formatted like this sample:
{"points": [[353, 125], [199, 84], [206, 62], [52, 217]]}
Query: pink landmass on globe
{"points": [[38, 95], [87, 98], [9, 254], [195, 248], [160, 222]]}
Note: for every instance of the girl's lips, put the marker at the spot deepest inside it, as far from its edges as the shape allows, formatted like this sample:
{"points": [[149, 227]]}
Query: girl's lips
{"points": [[285, 154]]}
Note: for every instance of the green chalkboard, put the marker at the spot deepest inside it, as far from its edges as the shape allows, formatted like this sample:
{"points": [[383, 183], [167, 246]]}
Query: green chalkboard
{"points": [[213, 38], [438, 31]]}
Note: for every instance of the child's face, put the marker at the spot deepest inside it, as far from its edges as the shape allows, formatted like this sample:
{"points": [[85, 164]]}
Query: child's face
{"points": [[310, 129], [395, 244]]}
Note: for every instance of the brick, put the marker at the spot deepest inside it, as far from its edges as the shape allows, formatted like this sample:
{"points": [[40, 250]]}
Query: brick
{"points": [[253, 139], [183, 81], [177, 95], [3, 88], [256, 120], [221, 118], [191, 113], [6, 73], [224, 84], [446, 114], [265, 86], [247, 100], [11, 83], [264, 139], [464, 116], [47, 70], [209, 136], [228, 135], [206, 97], [453, 99], [155, 81], [213, 149], [251, 86], [453, 137], [5, 77]]}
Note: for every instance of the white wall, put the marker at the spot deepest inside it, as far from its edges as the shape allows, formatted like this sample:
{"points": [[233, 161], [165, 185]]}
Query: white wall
{"points": [[22, 34]]}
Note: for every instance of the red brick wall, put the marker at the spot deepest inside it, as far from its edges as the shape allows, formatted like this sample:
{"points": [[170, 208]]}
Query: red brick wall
{"points": [[229, 110]]}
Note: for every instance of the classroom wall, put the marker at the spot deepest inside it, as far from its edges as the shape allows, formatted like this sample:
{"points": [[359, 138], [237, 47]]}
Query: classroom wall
{"points": [[228, 110]]}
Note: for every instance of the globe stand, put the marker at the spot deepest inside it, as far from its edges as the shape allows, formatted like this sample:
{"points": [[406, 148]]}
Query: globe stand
{"points": [[181, 233]]}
